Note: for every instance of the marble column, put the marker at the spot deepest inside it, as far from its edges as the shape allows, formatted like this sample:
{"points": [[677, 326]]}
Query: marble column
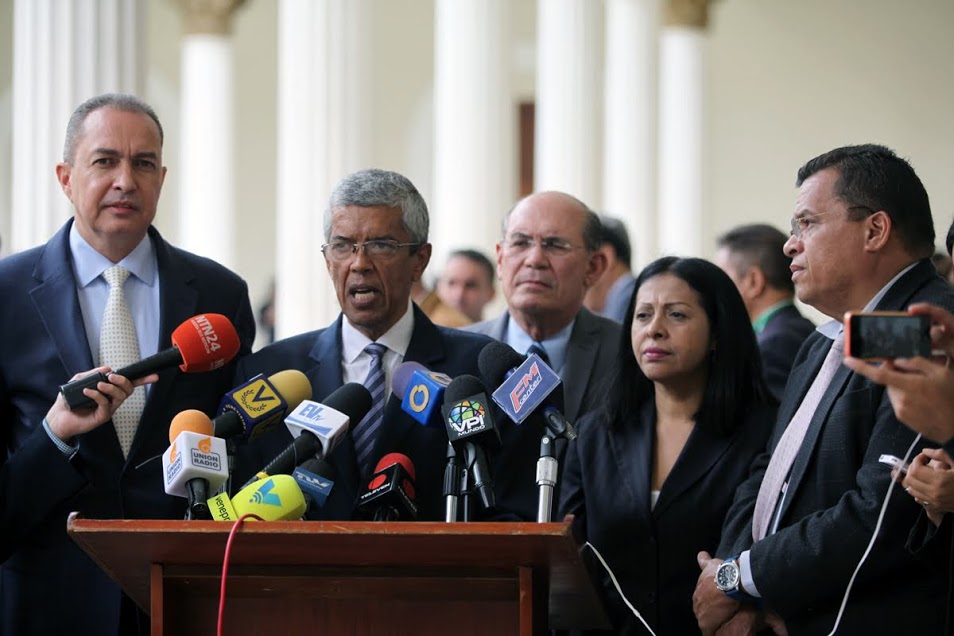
{"points": [[682, 134], [63, 54]]}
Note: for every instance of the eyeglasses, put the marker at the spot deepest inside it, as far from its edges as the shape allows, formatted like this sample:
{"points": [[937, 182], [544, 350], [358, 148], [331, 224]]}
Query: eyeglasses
{"points": [[803, 225], [376, 250], [519, 244]]}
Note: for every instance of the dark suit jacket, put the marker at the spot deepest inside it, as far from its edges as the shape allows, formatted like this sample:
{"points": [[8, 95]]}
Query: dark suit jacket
{"points": [[607, 484], [779, 342], [834, 496], [587, 373], [44, 344], [317, 354]]}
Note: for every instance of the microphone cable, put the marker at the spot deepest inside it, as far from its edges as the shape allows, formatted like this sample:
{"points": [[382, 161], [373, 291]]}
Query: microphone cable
{"points": [[225, 566], [874, 536], [618, 588]]}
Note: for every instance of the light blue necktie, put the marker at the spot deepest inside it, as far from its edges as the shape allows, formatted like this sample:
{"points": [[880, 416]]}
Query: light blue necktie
{"points": [[366, 431]]}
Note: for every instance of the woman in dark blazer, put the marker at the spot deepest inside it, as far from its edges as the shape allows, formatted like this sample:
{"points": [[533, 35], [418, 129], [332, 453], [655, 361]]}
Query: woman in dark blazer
{"points": [[650, 478]]}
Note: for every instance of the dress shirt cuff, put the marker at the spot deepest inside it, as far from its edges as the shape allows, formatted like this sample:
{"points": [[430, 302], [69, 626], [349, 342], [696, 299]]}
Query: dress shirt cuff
{"points": [[745, 575], [67, 449]]}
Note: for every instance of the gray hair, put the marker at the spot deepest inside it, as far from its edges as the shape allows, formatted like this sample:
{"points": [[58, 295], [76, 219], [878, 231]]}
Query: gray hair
{"points": [[592, 227], [381, 188], [119, 101]]}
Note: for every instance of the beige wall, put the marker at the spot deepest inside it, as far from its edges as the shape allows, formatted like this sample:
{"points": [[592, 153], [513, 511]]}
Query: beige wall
{"points": [[787, 80]]}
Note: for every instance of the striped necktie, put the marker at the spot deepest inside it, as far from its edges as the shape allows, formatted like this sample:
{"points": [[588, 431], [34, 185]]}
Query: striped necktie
{"points": [[366, 431], [119, 347]]}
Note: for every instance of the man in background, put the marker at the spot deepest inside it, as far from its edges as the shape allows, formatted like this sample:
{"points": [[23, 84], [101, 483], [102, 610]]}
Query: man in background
{"points": [[467, 283], [610, 295], [753, 256]]}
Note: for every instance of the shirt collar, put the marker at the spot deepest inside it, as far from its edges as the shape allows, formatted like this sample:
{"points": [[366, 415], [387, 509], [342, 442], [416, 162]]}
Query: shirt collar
{"points": [[397, 338], [833, 327], [88, 264], [759, 323]]}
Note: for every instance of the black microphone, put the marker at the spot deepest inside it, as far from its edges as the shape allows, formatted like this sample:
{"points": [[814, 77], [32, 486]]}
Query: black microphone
{"points": [[319, 428], [470, 428], [540, 390], [389, 495], [316, 478]]}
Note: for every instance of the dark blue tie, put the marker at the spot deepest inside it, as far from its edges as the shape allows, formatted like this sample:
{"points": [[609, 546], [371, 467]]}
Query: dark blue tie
{"points": [[538, 349], [366, 431]]}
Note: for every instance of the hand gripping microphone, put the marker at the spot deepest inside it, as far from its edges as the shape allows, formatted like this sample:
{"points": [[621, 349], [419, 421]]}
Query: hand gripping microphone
{"points": [[389, 495], [259, 404], [195, 465], [202, 343], [470, 428], [422, 392], [316, 478], [525, 384], [318, 428], [275, 498]]}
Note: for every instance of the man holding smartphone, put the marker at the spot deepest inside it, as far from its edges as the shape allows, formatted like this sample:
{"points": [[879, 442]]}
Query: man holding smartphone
{"points": [[862, 237]]}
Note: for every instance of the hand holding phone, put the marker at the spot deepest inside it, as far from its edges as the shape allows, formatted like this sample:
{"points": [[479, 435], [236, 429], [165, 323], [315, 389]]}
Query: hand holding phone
{"points": [[885, 335]]}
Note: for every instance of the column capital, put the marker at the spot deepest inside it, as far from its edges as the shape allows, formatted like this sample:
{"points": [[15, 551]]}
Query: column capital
{"points": [[686, 13], [212, 17]]}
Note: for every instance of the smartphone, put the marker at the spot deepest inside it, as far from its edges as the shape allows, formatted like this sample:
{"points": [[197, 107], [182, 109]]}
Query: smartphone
{"points": [[884, 335], [894, 462]]}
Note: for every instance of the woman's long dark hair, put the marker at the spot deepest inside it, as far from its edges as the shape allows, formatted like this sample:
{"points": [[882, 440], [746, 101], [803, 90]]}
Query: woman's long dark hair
{"points": [[735, 377]]}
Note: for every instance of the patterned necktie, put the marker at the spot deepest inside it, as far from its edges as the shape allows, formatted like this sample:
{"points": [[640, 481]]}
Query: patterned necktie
{"points": [[366, 431], [538, 349], [119, 347], [783, 457]]}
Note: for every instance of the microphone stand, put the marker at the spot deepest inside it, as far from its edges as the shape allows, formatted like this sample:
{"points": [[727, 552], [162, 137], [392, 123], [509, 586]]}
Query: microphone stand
{"points": [[466, 494], [546, 479], [452, 485]]}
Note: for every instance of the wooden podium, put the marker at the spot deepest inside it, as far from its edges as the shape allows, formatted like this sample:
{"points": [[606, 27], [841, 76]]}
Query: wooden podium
{"points": [[300, 577]]}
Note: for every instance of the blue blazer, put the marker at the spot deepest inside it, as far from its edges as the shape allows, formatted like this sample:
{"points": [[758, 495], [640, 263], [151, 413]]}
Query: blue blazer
{"points": [[652, 551], [43, 345], [317, 354], [833, 499]]}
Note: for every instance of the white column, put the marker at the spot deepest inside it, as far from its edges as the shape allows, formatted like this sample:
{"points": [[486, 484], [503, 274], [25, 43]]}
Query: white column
{"points": [[474, 154], [206, 158], [629, 124], [63, 54], [681, 129], [568, 108], [324, 133]]}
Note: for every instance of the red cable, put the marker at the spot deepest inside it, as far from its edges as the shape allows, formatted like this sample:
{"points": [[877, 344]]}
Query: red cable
{"points": [[225, 566]]}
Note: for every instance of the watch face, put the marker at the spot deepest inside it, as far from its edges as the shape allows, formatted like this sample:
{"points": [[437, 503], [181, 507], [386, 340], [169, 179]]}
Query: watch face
{"points": [[727, 576]]}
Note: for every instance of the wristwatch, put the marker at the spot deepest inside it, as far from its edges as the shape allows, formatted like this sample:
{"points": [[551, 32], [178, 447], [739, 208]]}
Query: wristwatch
{"points": [[728, 578]]}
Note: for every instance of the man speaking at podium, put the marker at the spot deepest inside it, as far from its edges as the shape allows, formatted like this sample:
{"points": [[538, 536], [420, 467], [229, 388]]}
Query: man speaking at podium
{"points": [[106, 287], [376, 227]]}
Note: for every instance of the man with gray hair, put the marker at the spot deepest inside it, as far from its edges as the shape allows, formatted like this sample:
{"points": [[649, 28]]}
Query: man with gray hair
{"points": [[375, 247], [106, 290]]}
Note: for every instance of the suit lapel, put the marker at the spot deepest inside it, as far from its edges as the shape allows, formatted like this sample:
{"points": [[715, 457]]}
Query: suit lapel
{"points": [[580, 360], [632, 448], [702, 451]]}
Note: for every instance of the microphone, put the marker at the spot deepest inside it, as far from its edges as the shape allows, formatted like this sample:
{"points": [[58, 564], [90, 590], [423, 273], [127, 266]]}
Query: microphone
{"points": [[316, 478], [470, 428], [422, 392], [196, 462], [202, 343], [319, 428], [275, 498], [254, 407], [525, 383], [389, 495]]}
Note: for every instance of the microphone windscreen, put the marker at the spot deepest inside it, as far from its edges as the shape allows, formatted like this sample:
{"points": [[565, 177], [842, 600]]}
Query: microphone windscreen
{"points": [[293, 385], [495, 360], [396, 458], [206, 342], [463, 386], [401, 377], [191, 420], [352, 399]]}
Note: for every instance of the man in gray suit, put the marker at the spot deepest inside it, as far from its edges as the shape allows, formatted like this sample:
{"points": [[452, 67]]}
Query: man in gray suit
{"points": [[548, 257]]}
